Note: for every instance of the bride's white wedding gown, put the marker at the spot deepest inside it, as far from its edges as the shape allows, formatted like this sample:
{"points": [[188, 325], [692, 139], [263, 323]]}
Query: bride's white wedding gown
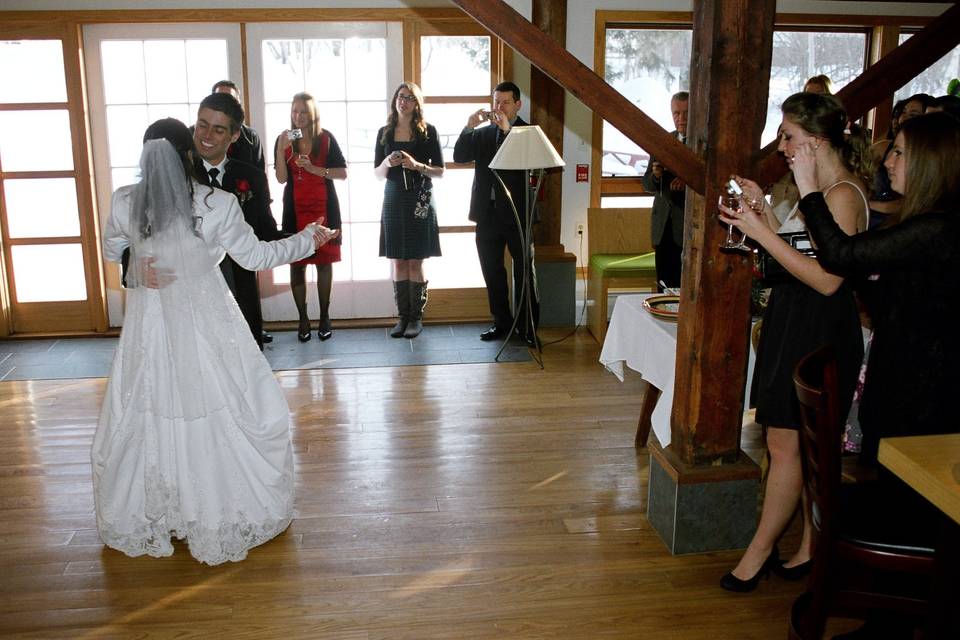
{"points": [[193, 439]]}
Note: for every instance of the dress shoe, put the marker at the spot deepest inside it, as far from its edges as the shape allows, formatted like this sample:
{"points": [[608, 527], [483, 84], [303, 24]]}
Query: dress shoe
{"points": [[731, 582], [303, 332], [493, 333], [796, 572], [265, 337], [325, 330]]}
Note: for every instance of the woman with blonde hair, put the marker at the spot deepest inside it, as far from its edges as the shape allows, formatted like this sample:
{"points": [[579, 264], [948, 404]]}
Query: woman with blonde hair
{"points": [[408, 155], [308, 160]]}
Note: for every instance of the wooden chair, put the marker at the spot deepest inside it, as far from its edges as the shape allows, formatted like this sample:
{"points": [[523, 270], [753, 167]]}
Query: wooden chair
{"points": [[620, 257], [867, 555]]}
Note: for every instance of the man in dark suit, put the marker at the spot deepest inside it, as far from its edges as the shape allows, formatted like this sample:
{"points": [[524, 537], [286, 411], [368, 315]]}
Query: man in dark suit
{"points": [[247, 147], [490, 209], [218, 126], [668, 201]]}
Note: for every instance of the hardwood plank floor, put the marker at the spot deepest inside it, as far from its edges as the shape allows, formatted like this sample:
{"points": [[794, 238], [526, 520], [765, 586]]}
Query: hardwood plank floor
{"points": [[449, 501]]}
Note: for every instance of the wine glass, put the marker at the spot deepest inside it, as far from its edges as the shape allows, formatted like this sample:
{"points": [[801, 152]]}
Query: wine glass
{"points": [[302, 156], [732, 198]]}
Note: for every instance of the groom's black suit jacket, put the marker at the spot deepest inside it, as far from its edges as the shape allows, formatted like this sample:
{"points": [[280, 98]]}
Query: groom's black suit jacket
{"points": [[249, 184]]}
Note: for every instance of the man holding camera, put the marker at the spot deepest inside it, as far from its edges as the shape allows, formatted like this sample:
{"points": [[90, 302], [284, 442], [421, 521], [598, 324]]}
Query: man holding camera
{"points": [[669, 198], [491, 211], [218, 126]]}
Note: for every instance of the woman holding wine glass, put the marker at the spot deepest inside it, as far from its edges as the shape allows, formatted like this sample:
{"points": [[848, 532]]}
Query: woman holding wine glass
{"points": [[308, 160], [812, 308]]}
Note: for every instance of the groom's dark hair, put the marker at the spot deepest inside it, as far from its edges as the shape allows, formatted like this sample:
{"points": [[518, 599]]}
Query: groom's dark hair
{"points": [[226, 104]]}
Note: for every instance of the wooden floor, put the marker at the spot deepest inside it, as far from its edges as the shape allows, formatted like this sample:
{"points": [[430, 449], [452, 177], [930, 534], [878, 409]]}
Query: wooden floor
{"points": [[450, 501]]}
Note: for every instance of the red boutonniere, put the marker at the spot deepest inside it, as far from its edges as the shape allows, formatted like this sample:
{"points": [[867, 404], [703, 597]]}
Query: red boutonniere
{"points": [[243, 191]]}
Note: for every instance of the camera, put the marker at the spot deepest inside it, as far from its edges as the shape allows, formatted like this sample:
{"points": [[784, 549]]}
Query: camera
{"points": [[294, 134], [489, 115], [396, 155], [733, 188]]}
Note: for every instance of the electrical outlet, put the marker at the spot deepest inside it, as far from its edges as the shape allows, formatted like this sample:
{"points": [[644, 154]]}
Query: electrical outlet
{"points": [[579, 229]]}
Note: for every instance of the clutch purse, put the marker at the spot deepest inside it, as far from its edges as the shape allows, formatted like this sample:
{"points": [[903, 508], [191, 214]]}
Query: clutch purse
{"points": [[771, 272]]}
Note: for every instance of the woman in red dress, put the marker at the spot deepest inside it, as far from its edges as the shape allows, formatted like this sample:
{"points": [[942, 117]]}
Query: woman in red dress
{"points": [[308, 160]]}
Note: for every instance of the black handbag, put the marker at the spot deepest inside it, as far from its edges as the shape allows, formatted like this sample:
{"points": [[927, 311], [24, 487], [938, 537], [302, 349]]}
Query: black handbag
{"points": [[771, 272]]}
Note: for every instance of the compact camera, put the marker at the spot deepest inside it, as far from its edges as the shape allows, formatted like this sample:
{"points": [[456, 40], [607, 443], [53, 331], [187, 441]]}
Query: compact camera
{"points": [[294, 134], [396, 155], [489, 115]]}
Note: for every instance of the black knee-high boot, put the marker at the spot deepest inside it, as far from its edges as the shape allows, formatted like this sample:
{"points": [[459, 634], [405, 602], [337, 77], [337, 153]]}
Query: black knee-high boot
{"points": [[401, 293], [418, 300]]}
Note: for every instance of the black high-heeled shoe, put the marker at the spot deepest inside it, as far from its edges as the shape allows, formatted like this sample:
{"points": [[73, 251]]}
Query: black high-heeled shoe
{"points": [[324, 330], [731, 582], [303, 335], [796, 572]]}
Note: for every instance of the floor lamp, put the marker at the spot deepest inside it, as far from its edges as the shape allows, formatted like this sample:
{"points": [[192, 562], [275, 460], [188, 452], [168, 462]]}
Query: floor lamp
{"points": [[526, 149]]}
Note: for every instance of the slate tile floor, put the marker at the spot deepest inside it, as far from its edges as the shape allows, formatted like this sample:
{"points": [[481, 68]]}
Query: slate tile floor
{"points": [[438, 344]]}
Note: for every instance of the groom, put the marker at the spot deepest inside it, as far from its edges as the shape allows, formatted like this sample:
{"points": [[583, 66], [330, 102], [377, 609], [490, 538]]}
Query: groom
{"points": [[218, 126]]}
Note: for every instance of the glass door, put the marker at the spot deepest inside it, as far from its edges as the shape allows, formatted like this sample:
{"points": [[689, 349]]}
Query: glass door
{"points": [[139, 73], [50, 260]]}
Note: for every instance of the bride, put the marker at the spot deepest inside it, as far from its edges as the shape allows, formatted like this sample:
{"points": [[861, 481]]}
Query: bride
{"points": [[193, 439]]}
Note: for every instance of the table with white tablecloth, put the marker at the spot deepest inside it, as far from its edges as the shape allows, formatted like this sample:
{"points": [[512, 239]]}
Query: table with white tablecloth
{"points": [[648, 345]]}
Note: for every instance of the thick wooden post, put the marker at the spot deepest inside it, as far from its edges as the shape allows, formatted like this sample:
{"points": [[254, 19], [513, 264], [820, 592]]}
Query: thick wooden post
{"points": [[547, 110], [730, 71]]}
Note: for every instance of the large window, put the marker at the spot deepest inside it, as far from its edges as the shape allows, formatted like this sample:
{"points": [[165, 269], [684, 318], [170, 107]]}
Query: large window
{"points": [[648, 64], [934, 80]]}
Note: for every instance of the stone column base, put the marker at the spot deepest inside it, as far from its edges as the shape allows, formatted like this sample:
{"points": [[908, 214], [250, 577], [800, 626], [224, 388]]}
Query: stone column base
{"points": [[698, 509]]}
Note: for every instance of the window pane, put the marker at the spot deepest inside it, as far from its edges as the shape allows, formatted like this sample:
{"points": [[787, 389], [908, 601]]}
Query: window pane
{"points": [[124, 81], [325, 69], [366, 193], [22, 62], [42, 207], [125, 127], [647, 66], [459, 265], [450, 119], [365, 119], [934, 80], [640, 202], [452, 194], [366, 69], [206, 63], [455, 65], [33, 264], [166, 70], [363, 250], [798, 55], [282, 69], [124, 176], [21, 134]]}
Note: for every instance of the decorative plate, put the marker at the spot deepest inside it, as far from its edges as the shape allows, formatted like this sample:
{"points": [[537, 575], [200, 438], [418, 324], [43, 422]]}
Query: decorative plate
{"points": [[664, 307]]}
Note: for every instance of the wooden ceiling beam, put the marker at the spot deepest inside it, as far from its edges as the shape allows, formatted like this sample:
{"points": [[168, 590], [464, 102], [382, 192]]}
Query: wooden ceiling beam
{"points": [[558, 63]]}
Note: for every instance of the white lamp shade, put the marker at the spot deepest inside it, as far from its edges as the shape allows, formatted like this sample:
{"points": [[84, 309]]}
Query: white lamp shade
{"points": [[526, 148]]}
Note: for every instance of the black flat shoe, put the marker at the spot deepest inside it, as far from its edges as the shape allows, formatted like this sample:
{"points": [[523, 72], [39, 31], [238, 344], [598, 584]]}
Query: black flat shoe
{"points": [[731, 582], [796, 572]]}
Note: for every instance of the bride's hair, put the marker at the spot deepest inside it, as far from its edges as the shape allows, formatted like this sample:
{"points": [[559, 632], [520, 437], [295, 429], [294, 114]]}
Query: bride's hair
{"points": [[167, 172]]}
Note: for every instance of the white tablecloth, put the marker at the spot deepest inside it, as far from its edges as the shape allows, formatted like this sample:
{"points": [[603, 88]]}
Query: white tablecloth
{"points": [[649, 346]]}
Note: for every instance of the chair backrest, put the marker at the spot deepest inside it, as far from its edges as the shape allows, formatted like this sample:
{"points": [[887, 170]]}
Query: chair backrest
{"points": [[815, 380], [625, 230]]}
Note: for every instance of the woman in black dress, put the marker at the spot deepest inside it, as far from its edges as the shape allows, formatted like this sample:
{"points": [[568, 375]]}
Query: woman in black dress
{"points": [[811, 309], [409, 156], [912, 376]]}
